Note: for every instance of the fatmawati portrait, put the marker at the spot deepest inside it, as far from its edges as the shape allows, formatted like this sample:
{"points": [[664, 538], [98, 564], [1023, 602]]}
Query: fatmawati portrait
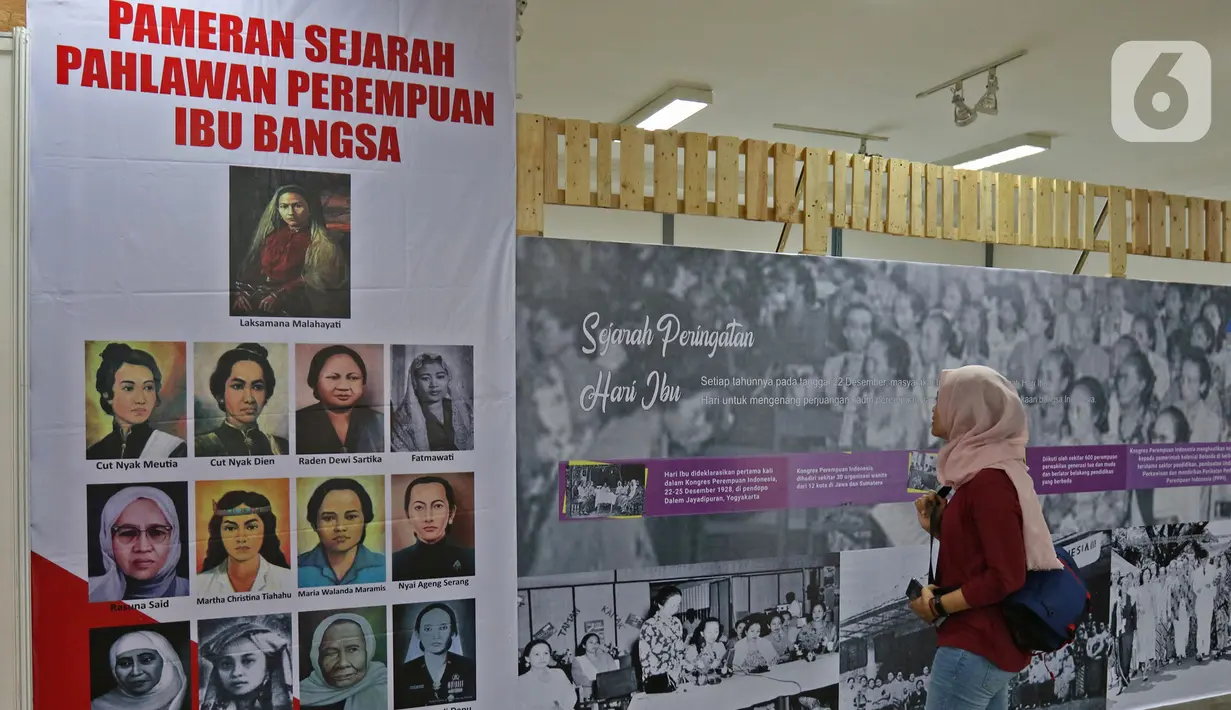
{"points": [[236, 392], [140, 668], [434, 410], [136, 410], [433, 534], [140, 541], [290, 233], [246, 663], [339, 409], [345, 659], [246, 547], [339, 512]]}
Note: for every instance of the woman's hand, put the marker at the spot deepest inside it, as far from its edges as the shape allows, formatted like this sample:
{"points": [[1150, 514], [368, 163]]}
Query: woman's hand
{"points": [[922, 606], [269, 304], [241, 303], [924, 506]]}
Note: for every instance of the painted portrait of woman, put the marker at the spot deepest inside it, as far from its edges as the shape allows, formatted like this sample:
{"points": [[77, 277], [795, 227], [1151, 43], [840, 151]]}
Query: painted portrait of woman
{"points": [[294, 262], [131, 392], [140, 543], [140, 667], [244, 552], [344, 667], [335, 548], [343, 419], [242, 384], [436, 409], [246, 663]]}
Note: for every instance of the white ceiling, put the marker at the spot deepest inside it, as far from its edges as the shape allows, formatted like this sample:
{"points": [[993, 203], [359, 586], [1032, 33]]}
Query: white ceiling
{"points": [[856, 65]]}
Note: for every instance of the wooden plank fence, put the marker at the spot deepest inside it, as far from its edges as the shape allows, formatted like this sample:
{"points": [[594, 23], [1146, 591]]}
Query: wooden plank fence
{"points": [[582, 163]]}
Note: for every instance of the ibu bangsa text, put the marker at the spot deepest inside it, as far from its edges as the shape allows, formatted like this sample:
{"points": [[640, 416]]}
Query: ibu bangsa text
{"points": [[667, 332]]}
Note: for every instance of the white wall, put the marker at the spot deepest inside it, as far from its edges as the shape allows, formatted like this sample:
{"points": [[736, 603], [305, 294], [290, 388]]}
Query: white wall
{"points": [[611, 225]]}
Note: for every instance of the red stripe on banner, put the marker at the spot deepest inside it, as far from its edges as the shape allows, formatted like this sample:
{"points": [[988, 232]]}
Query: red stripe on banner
{"points": [[61, 618]]}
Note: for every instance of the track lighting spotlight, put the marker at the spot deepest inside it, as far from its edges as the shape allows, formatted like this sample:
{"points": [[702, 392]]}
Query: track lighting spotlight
{"points": [[963, 115], [988, 103]]}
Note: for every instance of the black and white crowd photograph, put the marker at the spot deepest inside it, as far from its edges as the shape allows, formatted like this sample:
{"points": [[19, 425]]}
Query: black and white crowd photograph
{"points": [[1097, 361], [921, 472], [886, 651], [722, 635], [1075, 677], [604, 490], [1171, 613]]}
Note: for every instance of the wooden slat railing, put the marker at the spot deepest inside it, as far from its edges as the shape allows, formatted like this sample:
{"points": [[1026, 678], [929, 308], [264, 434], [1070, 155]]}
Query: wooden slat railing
{"points": [[821, 189]]}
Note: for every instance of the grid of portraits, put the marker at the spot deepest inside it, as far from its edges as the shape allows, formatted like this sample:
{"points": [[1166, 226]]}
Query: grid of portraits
{"points": [[271, 399], [399, 656]]}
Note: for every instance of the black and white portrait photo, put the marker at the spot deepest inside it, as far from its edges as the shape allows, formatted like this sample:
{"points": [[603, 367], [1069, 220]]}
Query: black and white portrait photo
{"points": [[1075, 677], [604, 490], [1171, 600], [290, 243], [434, 654], [138, 541], [141, 667], [432, 398], [246, 662], [1096, 361], [921, 472], [725, 636], [342, 659], [886, 651]]}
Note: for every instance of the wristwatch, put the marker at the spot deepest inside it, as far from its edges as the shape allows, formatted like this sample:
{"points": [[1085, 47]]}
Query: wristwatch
{"points": [[938, 609]]}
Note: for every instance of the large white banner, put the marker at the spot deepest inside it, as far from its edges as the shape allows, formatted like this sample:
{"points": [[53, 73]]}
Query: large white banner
{"points": [[271, 374]]}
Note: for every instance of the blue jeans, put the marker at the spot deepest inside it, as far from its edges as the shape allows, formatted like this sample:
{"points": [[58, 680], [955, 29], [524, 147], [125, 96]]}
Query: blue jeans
{"points": [[963, 681]]}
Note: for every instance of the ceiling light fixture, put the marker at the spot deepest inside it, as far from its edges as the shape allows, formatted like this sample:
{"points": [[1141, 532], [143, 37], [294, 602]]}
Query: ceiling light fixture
{"points": [[670, 108], [863, 138], [963, 115], [988, 103], [1004, 151]]}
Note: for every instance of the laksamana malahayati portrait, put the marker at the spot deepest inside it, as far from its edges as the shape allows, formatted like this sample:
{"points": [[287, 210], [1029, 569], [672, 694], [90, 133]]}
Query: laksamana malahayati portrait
{"points": [[148, 674], [129, 386], [242, 383], [431, 507], [340, 510], [140, 540], [434, 673], [293, 268], [246, 664], [338, 423], [345, 674], [434, 414], [244, 553]]}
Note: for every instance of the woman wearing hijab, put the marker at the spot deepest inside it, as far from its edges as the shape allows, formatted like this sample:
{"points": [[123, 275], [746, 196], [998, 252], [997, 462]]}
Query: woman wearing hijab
{"points": [[249, 669], [991, 533], [434, 415], [139, 537], [344, 674], [148, 675]]}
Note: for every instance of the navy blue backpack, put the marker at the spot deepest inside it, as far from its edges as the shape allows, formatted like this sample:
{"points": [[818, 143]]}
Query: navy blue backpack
{"points": [[1043, 615]]}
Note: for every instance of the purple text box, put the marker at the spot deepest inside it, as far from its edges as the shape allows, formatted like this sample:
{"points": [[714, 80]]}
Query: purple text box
{"points": [[860, 478], [1076, 469], [1175, 465], [716, 485]]}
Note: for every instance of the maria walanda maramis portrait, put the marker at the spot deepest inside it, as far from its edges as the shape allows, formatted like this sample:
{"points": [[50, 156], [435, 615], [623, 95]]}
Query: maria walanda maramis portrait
{"points": [[290, 244]]}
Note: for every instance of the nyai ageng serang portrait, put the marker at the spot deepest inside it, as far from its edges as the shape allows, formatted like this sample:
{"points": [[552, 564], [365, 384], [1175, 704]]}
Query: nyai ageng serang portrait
{"points": [[289, 243], [342, 659], [433, 531], [141, 667], [135, 400], [238, 406], [137, 538]]}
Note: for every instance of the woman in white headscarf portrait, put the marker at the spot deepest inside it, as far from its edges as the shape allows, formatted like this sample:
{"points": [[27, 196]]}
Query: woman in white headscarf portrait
{"points": [[436, 407], [346, 674], [146, 671], [140, 539]]}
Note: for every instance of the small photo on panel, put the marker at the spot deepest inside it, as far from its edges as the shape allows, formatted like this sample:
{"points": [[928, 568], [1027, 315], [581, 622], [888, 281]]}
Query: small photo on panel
{"points": [[136, 408], [243, 537], [433, 526], [138, 540], [343, 661], [342, 530], [133, 667], [432, 398], [340, 399], [246, 662], [238, 407], [434, 652]]}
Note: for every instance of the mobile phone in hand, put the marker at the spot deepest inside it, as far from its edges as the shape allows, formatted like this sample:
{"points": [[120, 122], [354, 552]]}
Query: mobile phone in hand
{"points": [[944, 491], [914, 590]]}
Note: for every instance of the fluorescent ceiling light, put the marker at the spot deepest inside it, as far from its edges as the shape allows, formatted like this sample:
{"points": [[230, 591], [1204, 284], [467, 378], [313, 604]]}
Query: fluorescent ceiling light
{"points": [[670, 108], [1004, 151]]}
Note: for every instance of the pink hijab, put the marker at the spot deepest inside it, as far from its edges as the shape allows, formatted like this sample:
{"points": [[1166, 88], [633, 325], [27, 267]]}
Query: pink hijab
{"points": [[985, 427]]}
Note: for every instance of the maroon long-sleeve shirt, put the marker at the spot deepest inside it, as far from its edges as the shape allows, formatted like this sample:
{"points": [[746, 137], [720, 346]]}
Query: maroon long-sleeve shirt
{"points": [[982, 551]]}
